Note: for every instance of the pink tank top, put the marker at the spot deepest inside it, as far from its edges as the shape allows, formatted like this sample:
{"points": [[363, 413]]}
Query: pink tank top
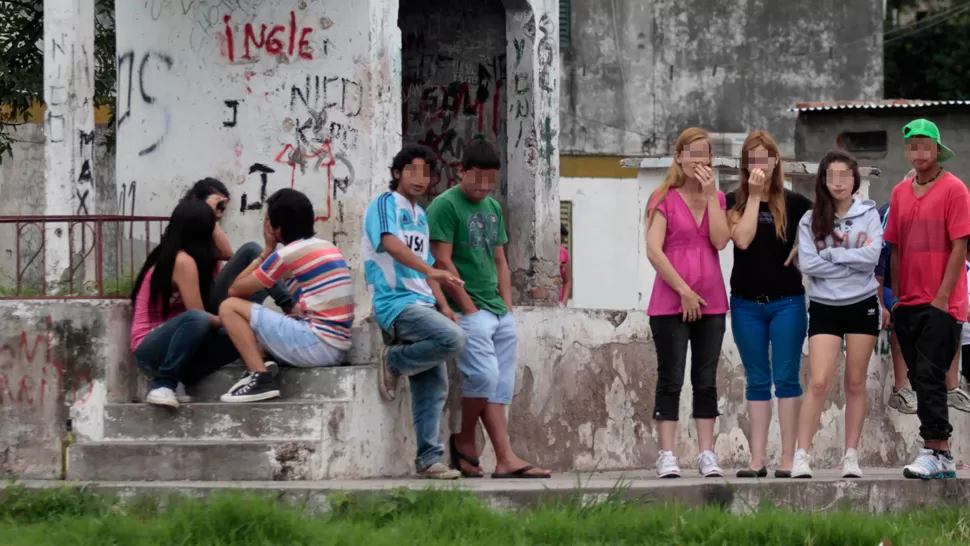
{"points": [[689, 249], [145, 319]]}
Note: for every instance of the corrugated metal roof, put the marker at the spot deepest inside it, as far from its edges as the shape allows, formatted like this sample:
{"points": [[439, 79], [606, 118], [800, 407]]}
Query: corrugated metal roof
{"points": [[871, 104]]}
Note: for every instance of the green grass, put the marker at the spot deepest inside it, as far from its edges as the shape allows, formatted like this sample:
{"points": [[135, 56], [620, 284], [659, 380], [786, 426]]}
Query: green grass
{"points": [[78, 517], [113, 288]]}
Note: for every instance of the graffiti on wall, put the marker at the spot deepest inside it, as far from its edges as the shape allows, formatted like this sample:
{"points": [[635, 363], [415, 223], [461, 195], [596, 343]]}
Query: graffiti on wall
{"points": [[133, 67], [28, 371], [454, 87], [274, 40]]}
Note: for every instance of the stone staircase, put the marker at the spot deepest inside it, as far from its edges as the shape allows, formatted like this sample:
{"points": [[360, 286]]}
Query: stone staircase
{"points": [[329, 423]]}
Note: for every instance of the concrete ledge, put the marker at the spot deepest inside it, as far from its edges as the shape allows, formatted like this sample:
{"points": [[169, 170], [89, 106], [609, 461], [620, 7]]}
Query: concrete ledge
{"points": [[882, 491]]}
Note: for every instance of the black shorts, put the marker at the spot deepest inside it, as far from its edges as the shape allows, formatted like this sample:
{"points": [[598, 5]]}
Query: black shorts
{"points": [[864, 317]]}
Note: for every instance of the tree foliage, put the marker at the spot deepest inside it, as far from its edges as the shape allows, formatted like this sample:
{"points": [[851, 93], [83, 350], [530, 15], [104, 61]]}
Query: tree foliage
{"points": [[930, 60], [22, 64]]}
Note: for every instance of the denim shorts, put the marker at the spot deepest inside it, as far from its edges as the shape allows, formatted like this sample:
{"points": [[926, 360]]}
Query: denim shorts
{"points": [[291, 340], [487, 365]]}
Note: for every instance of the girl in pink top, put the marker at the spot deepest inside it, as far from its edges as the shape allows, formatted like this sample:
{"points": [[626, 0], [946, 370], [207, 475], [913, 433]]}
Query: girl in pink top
{"points": [[686, 228], [170, 325], [565, 268]]}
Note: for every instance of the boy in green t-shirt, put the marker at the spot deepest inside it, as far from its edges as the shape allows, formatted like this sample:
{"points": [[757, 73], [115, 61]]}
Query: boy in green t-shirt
{"points": [[467, 238]]}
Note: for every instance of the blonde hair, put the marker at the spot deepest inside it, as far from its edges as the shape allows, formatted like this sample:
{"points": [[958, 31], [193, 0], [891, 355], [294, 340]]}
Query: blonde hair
{"points": [[775, 186], [675, 176]]}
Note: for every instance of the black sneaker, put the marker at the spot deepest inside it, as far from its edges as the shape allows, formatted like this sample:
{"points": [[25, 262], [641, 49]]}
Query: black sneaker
{"points": [[254, 387]]}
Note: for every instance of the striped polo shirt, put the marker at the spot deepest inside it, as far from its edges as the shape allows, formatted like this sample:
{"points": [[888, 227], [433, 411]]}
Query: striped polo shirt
{"points": [[317, 274]]}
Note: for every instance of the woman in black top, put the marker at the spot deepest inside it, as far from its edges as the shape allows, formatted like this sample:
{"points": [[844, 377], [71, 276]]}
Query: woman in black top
{"points": [[767, 297]]}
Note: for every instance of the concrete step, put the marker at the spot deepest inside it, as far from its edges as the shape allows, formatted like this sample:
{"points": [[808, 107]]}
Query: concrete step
{"points": [[216, 421], [192, 460], [335, 384]]}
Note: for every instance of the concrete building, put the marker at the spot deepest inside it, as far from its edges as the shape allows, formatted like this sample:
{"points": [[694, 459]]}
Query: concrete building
{"points": [[636, 73], [873, 132]]}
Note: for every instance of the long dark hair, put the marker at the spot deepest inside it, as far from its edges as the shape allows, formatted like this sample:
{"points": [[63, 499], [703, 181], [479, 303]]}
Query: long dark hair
{"points": [[823, 213], [190, 230]]}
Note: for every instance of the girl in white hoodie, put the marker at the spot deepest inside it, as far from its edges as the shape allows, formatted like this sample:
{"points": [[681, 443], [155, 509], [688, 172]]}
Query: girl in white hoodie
{"points": [[839, 242]]}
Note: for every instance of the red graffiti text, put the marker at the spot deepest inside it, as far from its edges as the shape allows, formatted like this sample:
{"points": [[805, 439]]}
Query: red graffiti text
{"points": [[275, 40]]}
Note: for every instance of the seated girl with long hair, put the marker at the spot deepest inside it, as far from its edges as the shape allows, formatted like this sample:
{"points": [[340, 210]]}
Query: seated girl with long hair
{"points": [[173, 337]]}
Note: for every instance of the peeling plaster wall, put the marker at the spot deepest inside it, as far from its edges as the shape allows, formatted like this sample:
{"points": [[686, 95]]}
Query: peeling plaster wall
{"points": [[635, 77], [583, 399], [58, 360]]}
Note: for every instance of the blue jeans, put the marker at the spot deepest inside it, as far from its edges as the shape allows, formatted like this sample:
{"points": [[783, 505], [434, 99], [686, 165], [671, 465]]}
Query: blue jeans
{"points": [[240, 260], [487, 365], [780, 323], [429, 339], [186, 349]]}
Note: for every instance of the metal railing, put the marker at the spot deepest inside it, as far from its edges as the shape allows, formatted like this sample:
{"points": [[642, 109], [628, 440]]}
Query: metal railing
{"points": [[103, 254]]}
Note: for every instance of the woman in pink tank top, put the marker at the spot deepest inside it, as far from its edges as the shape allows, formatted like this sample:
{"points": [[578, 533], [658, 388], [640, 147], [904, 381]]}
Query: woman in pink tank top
{"points": [[170, 323], [686, 229]]}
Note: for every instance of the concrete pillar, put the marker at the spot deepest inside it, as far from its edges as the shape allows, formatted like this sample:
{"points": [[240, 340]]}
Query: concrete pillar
{"points": [[533, 199], [69, 125]]}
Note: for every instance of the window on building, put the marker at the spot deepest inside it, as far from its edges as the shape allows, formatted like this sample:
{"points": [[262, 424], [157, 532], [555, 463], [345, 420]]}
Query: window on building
{"points": [[864, 145], [565, 24], [566, 219]]}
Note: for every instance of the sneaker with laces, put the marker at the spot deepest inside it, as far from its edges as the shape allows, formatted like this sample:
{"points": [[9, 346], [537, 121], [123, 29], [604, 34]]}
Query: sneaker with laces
{"points": [[667, 465], [386, 377], [254, 387], [802, 465], [958, 399], [707, 465], [162, 396], [929, 466], [438, 471], [850, 464], [271, 367], [903, 401]]}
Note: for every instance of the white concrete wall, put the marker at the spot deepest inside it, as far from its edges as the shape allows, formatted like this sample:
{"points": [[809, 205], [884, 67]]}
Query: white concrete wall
{"points": [[202, 92], [609, 254]]}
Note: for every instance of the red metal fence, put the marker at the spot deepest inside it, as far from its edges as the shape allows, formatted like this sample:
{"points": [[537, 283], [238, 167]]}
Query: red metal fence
{"points": [[104, 254]]}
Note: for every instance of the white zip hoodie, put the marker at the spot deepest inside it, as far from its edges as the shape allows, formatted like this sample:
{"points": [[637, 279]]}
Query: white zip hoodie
{"points": [[840, 269]]}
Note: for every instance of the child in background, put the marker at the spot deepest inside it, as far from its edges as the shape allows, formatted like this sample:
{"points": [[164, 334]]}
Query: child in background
{"points": [[565, 268]]}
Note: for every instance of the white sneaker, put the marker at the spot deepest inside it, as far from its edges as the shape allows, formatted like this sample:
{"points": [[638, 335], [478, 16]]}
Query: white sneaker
{"points": [[850, 464], [667, 465], [162, 396], [903, 401], [802, 465], [929, 466], [958, 399], [707, 465]]}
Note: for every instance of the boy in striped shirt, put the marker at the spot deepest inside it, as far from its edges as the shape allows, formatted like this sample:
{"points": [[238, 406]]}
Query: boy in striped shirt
{"points": [[315, 272]]}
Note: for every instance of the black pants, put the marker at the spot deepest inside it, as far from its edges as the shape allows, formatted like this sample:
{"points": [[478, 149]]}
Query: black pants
{"points": [[671, 335], [240, 260], [928, 338]]}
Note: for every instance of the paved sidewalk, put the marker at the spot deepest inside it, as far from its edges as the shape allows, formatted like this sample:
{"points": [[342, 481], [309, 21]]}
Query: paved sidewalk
{"points": [[880, 491]]}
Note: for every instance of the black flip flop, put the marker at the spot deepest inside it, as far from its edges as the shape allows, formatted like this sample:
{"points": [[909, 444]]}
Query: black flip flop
{"points": [[457, 456], [521, 474]]}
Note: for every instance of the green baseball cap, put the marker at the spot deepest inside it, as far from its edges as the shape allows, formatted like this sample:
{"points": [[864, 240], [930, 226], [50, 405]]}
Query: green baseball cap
{"points": [[928, 129]]}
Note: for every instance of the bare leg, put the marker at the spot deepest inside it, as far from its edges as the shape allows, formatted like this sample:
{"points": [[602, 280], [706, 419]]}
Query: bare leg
{"points": [[496, 426], [668, 435], [759, 413], [705, 434], [823, 352], [235, 313], [900, 373], [858, 350], [788, 410], [472, 409]]}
